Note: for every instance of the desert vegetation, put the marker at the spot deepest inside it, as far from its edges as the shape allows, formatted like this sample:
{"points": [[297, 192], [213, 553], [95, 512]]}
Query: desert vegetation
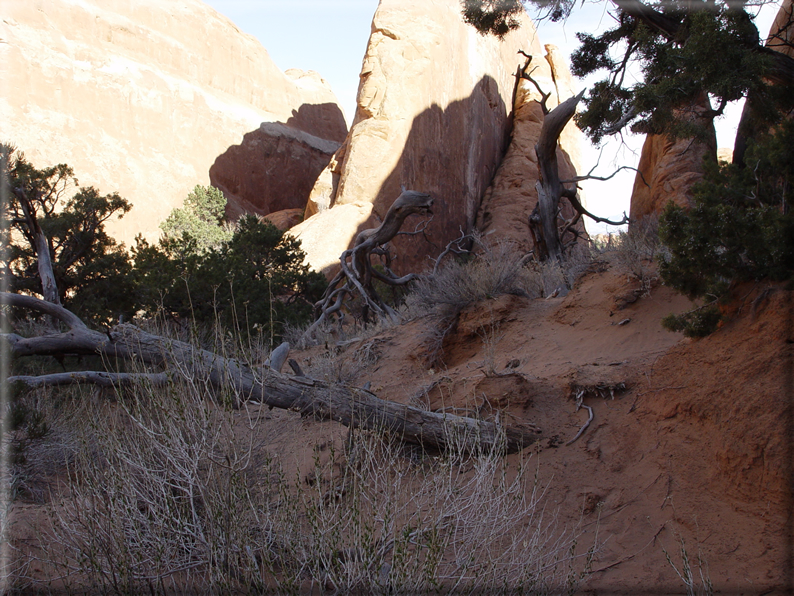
{"points": [[169, 488], [148, 411]]}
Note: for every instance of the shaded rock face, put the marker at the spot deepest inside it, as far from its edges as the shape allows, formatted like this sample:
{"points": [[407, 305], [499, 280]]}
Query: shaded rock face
{"points": [[668, 169], [780, 39], [285, 219], [432, 115], [141, 97], [274, 168], [512, 196]]}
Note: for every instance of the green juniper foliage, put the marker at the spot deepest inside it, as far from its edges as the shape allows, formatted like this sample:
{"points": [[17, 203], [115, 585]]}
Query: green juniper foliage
{"points": [[685, 51], [713, 53], [739, 228], [93, 272], [255, 281], [198, 225]]}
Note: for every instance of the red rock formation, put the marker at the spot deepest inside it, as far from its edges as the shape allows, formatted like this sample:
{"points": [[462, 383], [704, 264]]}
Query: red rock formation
{"points": [[285, 219], [274, 168], [668, 169], [141, 97], [512, 195], [433, 115], [780, 39]]}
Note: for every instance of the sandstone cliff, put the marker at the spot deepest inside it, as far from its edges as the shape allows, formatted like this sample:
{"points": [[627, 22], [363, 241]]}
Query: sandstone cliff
{"points": [[669, 168], [433, 115], [141, 97], [512, 196]]}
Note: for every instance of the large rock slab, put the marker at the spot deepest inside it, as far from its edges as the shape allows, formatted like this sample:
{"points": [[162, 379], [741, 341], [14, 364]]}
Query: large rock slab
{"points": [[512, 196], [432, 115], [272, 169], [141, 97], [669, 168]]}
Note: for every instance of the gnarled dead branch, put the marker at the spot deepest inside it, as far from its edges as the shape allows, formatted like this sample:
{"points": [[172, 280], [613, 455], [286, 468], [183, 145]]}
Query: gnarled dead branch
{"points": [[358, 274], [353, 407]]}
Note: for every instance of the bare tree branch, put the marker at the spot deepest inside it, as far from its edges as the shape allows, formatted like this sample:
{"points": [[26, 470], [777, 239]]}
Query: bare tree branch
{"points": [[353, 407], [39, 243], [92, 377], [357, 272], [549, 186]]}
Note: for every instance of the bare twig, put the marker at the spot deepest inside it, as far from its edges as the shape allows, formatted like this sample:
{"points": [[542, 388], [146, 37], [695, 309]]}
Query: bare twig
{"points": [[584, 427]]}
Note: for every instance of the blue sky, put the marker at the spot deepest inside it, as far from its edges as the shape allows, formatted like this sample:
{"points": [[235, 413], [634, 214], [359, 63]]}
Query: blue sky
{"points": [[330, 36]]}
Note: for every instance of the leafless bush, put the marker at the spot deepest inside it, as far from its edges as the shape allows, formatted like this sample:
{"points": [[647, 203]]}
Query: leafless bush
{"points": [[638, 251], [167, 495]]}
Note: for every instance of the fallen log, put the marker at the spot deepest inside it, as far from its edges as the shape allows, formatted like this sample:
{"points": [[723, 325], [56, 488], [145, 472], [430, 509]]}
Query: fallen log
{"points": [[353, 407]]}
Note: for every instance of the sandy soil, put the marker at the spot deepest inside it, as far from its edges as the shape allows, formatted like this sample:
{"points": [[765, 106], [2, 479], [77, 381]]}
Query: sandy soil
{"points": [[693, 452], [690, 442]]}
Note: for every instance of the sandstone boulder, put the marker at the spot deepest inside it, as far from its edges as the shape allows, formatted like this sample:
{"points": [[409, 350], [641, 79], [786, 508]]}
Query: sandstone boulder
{"points": [[285, 219], [433, 115], [512, 196], [272, 169], [142, 97], [669, 168]]}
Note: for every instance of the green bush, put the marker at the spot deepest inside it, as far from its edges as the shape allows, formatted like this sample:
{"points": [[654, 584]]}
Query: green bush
{"points": [[740, 228], [198, 225], [254, 282]]}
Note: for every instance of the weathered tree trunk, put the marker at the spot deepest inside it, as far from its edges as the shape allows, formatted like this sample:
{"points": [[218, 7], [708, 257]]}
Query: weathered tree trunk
{"points": [[550, 189], [357, 273], [351, 406], [41, 245]]}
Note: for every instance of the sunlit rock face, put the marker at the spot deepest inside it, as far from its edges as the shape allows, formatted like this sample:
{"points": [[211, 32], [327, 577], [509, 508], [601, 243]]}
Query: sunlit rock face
{"points": [[142, 97], [432, 115], [512, 196]]}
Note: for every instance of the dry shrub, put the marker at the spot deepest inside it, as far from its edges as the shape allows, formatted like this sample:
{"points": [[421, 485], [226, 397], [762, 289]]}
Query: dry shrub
{"points": [[493, 270], [496, 269], [638, 251], [166, 495]]}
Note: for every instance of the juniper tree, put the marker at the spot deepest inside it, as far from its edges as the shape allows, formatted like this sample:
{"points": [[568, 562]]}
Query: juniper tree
{"points": [[692, 53], [684, 50], [58, 246]]}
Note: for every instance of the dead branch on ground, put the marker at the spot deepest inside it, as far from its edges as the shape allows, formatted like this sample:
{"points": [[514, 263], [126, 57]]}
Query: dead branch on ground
{"points": [[353, 407]]}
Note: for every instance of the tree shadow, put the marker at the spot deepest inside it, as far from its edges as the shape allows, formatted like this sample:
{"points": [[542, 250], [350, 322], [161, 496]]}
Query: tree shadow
{"points": [[452, 154]]}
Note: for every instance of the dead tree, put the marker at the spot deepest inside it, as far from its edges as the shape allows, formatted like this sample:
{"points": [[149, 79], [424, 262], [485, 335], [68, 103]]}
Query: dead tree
{"points": [[547, 227], [39, 242], [357, 272], [353, 407]]}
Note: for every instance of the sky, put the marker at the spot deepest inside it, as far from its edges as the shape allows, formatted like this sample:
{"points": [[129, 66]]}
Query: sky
{"points": [[330, 37]]}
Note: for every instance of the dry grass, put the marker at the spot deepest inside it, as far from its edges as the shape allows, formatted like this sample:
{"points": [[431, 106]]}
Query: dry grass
{"points": [[496, 269], [166, 491], [638, 251]]}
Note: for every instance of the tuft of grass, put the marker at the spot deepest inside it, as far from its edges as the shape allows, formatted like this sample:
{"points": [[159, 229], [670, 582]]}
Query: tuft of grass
{"points": [[638, 252], [495, 270], [696, 585]]}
